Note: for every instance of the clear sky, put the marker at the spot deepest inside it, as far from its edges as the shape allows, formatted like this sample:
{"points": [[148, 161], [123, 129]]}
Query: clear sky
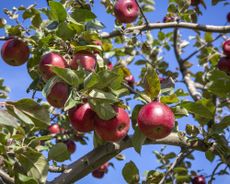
{"points": [[18, 80]]}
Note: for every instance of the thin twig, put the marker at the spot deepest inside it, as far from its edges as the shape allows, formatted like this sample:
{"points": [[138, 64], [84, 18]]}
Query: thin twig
{"points": [[142, 13], [214, 172]]}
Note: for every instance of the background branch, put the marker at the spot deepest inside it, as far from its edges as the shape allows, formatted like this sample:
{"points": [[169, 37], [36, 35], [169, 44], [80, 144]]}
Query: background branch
{"points": [[151, 26], [6, 177]]}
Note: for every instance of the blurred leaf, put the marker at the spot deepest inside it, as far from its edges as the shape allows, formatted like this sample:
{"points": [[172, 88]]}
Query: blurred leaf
{"points": [[82, 15], [138, 140], [103, 96], [152, 84], [57, 11], [7, 119], [59, 153], [192, 130], [210, 155], [169, 99], [67, 75], [23, 179], [33, 164], [65, 31], [130, 172], [154, 177], [39, 114]]}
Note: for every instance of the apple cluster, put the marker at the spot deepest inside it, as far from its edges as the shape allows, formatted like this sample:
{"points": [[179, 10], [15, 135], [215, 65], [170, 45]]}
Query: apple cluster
{"points": [[224, 62]]}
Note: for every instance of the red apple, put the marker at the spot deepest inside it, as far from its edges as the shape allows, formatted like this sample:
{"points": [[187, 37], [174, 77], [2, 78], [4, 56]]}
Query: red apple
{"points": [[198, 180], [54, 128], [115, 128], [130, 80], [156, 120], [126, 11], [98, 174], [110, 65], [82, 118], [228, 17], [97, 42], [52, 59], [162, 79], [168, 18], [224, 64], [100, 171], [86, 59], [58, 94], [226, 47], [71, 146], [15, 52], [195, 2]]}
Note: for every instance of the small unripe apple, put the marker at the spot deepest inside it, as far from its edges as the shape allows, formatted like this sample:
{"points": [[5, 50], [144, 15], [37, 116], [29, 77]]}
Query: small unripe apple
{"points": [[198, 180], [58, 94], [130, 80], [195, 2], [52, 59], [226, 47], [224, 64], [71, 146], [86, 59], [156, 120], [82, 118], [15, 52], [126, 11], [54, 128], [114, 129], [228, 17]]}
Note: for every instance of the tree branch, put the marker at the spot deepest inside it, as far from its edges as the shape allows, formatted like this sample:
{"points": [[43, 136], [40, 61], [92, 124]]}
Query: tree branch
{"points": [[6, 177], [103, 153], [142, 13], [151, 26], [185, 73]]}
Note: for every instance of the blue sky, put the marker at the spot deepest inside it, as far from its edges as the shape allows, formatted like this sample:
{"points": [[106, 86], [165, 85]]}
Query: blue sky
{"points": [[18, 80]]}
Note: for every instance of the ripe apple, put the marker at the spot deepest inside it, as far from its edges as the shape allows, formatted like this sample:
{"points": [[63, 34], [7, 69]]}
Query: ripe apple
{"points": [[195, 2], [58, 94], [54, 128], [130, 80], [71, 146], [224, 64], [15, 52], [86, 59], [126, 11], [228, 17], [110, 65], [52, 59], [156, 120], [162, 79], [82, 118], [198, 180], [226, 47], [115, 128]]}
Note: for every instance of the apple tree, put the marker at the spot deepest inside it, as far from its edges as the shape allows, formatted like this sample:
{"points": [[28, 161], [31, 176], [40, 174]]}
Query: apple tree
{"points": [[83, 85]]}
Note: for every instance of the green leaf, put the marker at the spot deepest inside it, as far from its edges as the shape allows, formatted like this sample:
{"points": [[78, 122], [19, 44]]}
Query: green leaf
{"points": [[210, 155], [192, 130], [107, 78], [7, 119], [154, 177], [103, 96], [135, 112], [57, 11], [203, 108], [67, 75], [22, 116], [180, 179], [152, 84], [97, 141], [59, 153], [219, 83], [138, 140], [36, 20], [33, 164], [180, 170], [130, 172], [23, 179], [65, 31], [224, 123], [208, 37], [39, 114], [169, 99], [105, 111], [82, 15]]}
